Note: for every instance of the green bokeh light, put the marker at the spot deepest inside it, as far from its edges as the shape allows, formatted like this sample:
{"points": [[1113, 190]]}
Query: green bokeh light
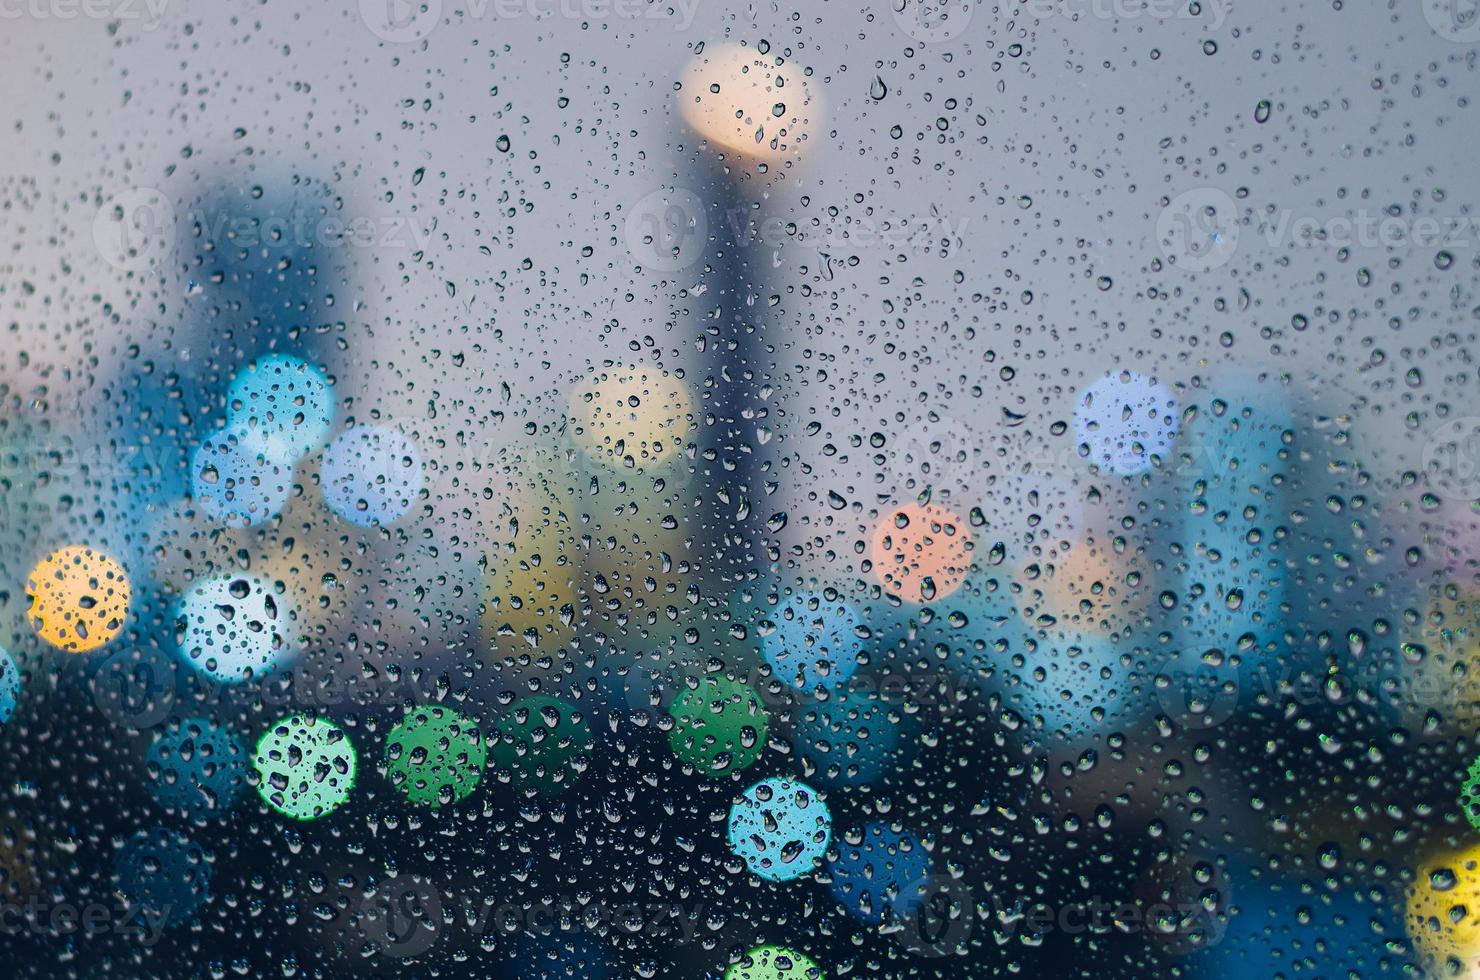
{"points": [[538, 742], [1469, 795], [435, 756], [720, 727], [305, 767], [774, 963]]}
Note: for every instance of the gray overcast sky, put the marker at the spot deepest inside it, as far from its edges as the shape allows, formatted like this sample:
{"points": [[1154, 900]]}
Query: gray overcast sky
{"points": [[1049, 160]]}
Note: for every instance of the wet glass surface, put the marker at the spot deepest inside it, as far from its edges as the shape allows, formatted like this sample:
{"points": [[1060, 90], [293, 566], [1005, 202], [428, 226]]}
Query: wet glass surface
{"points": [[615, 488]]}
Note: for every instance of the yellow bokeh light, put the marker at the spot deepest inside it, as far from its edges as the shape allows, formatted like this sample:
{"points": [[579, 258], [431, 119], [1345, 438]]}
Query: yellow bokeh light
{"points": [[1446, 682], [1444, 910], [1082, 590], [632, 417], [79, 598], [742, 101], [921, 553], [530, 580]]}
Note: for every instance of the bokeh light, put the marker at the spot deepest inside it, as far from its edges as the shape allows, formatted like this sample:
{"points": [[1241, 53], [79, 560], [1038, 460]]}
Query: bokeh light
{"points": [[780, 828], [815, 641], [1329, 934], [749, 103], [435, 756], [631, 417], [305, 767], [719, 726], [1127, 421], [530, 579], [1063, 683], [285, 402], [877, 872], [236, 479], [197, 766], [1469, 795], [774, 963], [371, 475], [921, 553], [79, 598], [1441, 903], [235, 628], [164, 874], [10, 685], [1084, 589], [539, 744]]}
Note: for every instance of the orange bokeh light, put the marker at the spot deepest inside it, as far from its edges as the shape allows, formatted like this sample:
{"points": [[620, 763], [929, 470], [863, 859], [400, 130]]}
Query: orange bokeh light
{"points": [[921, 553], [79, 598]]}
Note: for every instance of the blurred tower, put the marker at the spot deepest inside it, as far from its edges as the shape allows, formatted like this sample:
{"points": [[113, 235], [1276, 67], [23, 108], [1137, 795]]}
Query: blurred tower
{"points": [[1233, 470], [254, 269], [753, 115]]}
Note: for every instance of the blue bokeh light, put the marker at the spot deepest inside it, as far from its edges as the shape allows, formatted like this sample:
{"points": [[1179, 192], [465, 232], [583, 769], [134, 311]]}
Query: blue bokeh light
{"points": [[234, 628], [10, 685], [164, 874], [285, 401], [197, 766], [371, 475], [236, 481], [780, 828], [1126, 419], [879, 875], [814, 642]]}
